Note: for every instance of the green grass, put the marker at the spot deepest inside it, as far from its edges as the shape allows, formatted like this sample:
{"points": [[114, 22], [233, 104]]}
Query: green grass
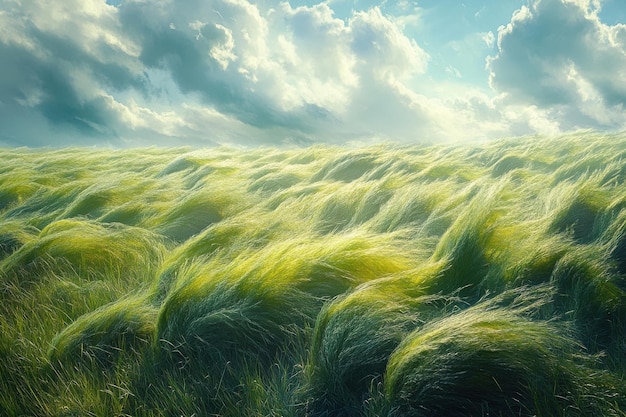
{"points": [[465, 280]]}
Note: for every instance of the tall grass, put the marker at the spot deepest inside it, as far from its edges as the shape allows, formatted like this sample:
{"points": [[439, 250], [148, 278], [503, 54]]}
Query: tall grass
{"points": [[466, 280], [490, 361], [257, 301]]}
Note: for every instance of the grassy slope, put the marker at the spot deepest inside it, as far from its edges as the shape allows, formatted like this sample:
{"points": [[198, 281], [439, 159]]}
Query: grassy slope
{"points": [[417, 281]]}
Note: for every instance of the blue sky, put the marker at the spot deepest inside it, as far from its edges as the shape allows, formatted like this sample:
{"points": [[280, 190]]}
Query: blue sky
{"points": [[204, 72]]}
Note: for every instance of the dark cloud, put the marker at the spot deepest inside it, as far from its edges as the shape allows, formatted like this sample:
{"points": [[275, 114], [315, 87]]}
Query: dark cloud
{"points": [[43, 87], [50, 74], [66, 52]]}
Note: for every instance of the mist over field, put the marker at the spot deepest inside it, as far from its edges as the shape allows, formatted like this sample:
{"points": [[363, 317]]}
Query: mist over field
{"points": [[449, 280]]}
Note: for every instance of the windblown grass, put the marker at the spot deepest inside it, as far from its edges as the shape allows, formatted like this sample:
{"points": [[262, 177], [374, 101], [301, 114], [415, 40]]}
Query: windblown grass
{"points": [[483, 361], [467, 280]]}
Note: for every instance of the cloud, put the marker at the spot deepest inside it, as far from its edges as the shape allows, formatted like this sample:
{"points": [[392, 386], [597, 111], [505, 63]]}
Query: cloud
{"points": [[133, 71], [557, 55], [49, 64], [382, 105], [192, 45], [379, 43], [489, 38], [141, 72]]}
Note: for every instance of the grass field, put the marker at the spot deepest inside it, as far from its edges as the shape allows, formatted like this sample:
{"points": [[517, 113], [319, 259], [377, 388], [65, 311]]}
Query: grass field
{"points": [[452, 280]]}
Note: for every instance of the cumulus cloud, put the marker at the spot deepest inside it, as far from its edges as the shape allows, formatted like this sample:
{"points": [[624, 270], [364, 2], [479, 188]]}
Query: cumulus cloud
{"points": [[558, 56]]}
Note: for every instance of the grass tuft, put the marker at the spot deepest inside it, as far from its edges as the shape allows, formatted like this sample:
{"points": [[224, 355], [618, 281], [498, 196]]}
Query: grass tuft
{"points": [[101, 335], [487, 362]]}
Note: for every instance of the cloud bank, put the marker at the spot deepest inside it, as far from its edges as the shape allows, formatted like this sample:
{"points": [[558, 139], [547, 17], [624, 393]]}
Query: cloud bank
{"points": [[232, 72]]}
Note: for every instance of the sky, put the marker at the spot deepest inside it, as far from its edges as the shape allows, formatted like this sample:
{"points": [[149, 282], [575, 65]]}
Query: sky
{"points": [[130, 73]]}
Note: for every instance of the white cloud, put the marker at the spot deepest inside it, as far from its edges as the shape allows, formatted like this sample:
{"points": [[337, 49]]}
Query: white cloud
{"points": [[557, 55], [379, 44], [353, 71], [312, 65], [453, 71], [489, 38]]}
